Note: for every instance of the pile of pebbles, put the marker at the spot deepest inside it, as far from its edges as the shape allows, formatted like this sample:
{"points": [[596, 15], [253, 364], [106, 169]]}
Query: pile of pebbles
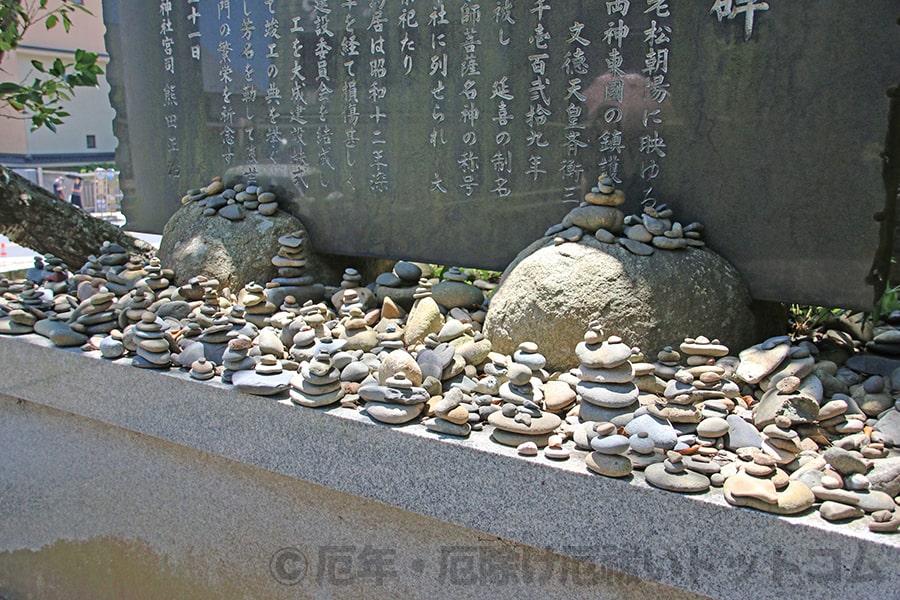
{"points": [[787, 426], [599, 215], [233, 202]]}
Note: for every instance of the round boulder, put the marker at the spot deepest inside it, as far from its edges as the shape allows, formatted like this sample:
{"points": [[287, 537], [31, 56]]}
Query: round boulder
{"points": [[238, 252], [550, 294]]}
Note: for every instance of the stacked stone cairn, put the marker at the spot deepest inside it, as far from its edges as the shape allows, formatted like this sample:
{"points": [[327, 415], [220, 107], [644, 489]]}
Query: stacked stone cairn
{"points": [[97, 314], [453, 414], [886, 337], [609, 451], [154, 345], [233, 202], [599, 214], [763, 485], [292, 279], [399, 285], [56, 275], [258, 309], [673, 475], [396, 400], [521, 419], [317, 383], [267, 378], [846, 495], [606, 387], [351, 294], [237, 357]]}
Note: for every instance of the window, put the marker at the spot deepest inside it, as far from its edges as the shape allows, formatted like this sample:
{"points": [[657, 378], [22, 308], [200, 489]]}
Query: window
{"points": [[91, 141]]}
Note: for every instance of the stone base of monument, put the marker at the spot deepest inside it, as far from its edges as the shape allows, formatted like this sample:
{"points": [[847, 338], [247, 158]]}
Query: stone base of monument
{"points": [[550, 292], [115, 478]]}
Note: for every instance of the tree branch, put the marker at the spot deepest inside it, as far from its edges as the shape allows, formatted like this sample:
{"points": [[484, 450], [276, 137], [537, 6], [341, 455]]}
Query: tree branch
{"points": [[32, 217]]}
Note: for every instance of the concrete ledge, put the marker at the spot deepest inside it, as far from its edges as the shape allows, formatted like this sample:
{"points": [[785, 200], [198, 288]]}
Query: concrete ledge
{"points": [[698, 544]]}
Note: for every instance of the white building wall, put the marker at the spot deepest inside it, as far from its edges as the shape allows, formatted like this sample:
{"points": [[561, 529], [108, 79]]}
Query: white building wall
{"points": [[90, 114]]}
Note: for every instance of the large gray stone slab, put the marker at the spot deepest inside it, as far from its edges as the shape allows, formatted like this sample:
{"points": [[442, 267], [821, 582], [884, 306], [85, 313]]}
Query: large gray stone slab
{"points": [[770, 137], [86, 506], [689, 543]]}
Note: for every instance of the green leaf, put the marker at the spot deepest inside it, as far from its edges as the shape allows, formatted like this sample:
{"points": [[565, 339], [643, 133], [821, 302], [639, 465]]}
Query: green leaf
{"points": [[8, 87], [38, 65], [51, 22]]}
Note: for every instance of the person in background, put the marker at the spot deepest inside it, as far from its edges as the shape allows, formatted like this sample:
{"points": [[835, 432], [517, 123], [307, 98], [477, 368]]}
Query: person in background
{"points": [[75, 198], [58, 189]]}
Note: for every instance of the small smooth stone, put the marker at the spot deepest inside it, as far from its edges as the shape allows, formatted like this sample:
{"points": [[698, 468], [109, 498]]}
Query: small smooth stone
{"points": [[795, 498], [744, 485], [824, 494], [393, 414], [557, 453], [638, 233], [702, 465], [757, 470], [713, 427], [641, 443], [259, 384], [832, 408], [458, 415], [510, 438], [609, 465], [622, 373], [444, 427], [604, 429], [832, 483], [610, 444], [232, 212], [834, 511], [155, 345], [760, 360], [558, 395], [316, 400], [605, 236], [872, 501], [267, 210], [608, 395], [845, 462], [635, 247], [527, 449], [686, 482], [111, 348]]}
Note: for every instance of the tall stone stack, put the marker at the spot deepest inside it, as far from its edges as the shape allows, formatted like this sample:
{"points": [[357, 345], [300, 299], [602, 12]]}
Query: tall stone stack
{"points": [[599, 214], [606, 387], [292, 279], [317, 383], [153, 345]]}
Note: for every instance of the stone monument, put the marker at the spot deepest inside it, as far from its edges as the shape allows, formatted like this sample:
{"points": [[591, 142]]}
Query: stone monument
{"points": [[457, 131]]}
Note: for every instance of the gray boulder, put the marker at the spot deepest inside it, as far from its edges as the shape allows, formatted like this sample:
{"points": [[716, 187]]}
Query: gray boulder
{"points": [[550, 293], [238, 252]]}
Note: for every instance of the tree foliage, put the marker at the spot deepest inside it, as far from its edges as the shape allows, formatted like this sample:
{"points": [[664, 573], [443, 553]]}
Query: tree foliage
{"points": [[42, 98]]}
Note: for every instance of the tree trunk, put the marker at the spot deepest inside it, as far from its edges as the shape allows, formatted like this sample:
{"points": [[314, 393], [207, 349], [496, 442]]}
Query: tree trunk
{"points": [[32, 217]]}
